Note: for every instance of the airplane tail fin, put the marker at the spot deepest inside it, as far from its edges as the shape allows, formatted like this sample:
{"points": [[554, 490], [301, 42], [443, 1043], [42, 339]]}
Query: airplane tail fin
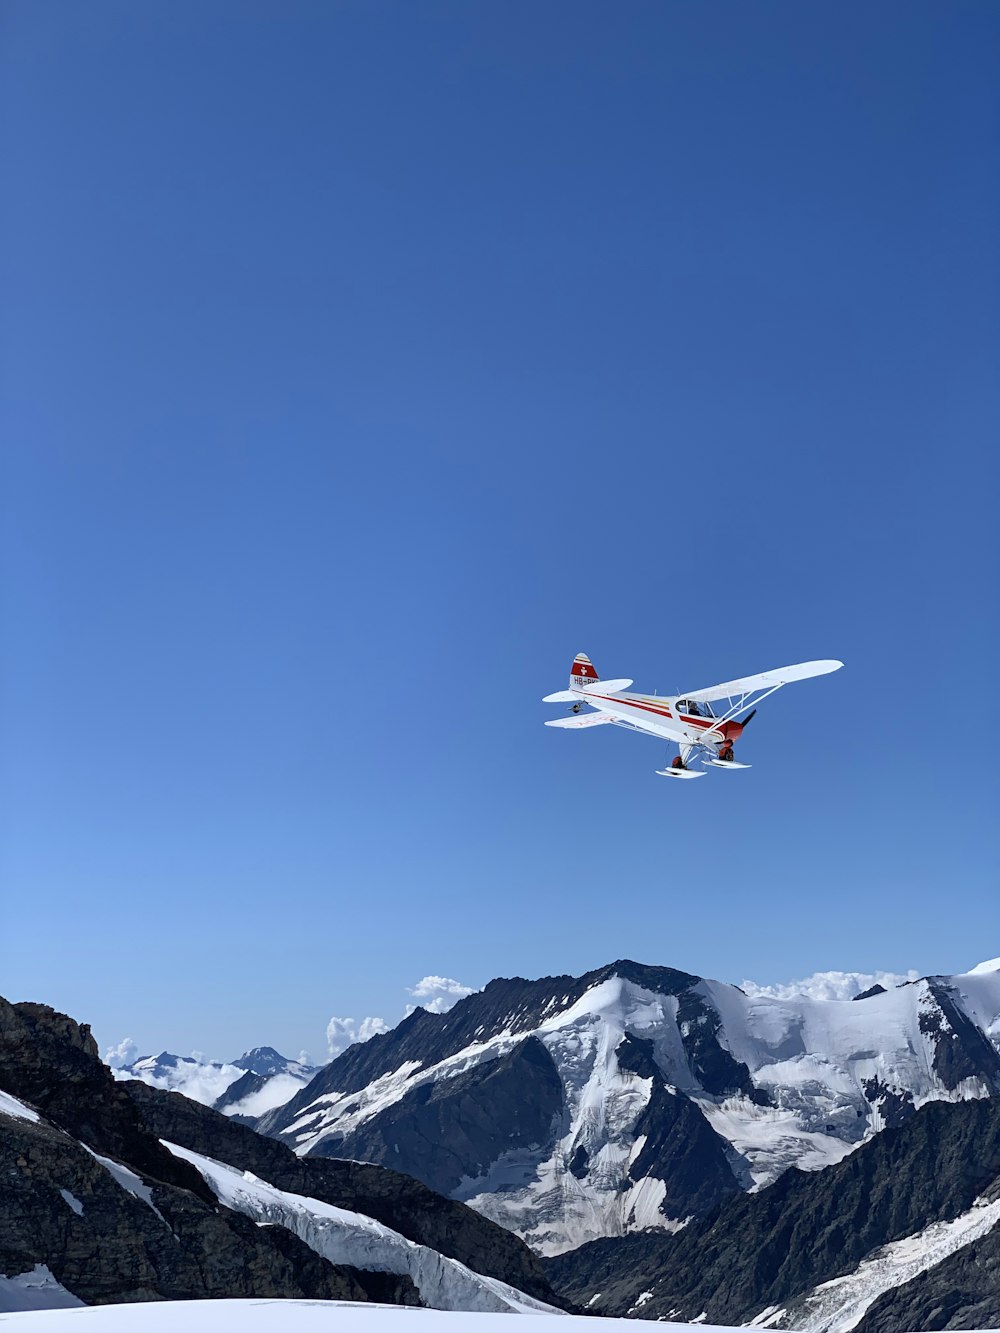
{"points": [[582, 672]]}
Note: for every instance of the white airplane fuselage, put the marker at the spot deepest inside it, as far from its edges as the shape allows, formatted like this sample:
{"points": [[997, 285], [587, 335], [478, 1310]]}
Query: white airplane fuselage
{"points": [[655, 714]]}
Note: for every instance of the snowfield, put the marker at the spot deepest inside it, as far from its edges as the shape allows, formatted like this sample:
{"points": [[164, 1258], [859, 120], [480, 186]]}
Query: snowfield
{"points": [[293, 1317], [281, 1317]]}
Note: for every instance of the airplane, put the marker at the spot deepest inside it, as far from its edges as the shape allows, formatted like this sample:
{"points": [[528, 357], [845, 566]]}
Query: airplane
{"points": [[687, 719]]}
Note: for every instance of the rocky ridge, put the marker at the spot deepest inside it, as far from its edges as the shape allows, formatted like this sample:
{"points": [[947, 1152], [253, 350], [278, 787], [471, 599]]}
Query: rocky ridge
{"points": [[88, 1191]]}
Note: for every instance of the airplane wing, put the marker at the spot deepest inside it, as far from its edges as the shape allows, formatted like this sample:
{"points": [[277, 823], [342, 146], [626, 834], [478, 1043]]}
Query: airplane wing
{"points": [[580, 720], [766, 680]]}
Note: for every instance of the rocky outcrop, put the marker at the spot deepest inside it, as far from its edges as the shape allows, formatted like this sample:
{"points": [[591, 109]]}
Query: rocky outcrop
{"points": [[88, 1191], [763, 1250], [51, 1061], [109, 1241], [710, 1062]]}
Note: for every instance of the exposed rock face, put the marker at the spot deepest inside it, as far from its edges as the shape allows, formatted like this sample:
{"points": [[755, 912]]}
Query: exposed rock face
{"points": [[764, 1250], [679, 1146], [961, 1050], [711, 1062], [52, 1062], [399, 1201]]}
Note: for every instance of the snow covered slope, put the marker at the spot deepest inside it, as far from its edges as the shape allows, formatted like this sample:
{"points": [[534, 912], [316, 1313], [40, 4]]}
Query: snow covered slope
{"points": [[269, 1316], [350, 1238], [840, 1305], [637, 1096]]}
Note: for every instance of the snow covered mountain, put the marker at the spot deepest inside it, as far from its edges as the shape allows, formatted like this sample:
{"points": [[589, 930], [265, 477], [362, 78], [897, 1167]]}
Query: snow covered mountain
{"points": [[259, 1081], [572, 1108]]}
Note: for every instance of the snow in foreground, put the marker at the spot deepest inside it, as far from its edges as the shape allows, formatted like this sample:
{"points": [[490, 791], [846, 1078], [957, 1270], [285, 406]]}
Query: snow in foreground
{"points": [[287, 1317]]}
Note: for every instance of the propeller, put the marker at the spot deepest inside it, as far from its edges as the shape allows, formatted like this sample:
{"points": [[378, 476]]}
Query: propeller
{"points": [[748, 717]]}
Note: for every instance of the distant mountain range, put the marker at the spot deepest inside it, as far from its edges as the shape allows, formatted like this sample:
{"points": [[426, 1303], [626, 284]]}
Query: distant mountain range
{"points": [[257, 1082]]}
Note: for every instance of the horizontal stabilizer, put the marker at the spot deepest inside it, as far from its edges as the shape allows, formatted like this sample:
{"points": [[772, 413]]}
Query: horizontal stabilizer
{"points": [[606, 686], [561, 697], [580, 720]]}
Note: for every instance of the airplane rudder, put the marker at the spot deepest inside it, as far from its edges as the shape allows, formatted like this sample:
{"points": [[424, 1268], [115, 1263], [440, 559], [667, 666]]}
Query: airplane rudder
{"points": [[583, 671]]}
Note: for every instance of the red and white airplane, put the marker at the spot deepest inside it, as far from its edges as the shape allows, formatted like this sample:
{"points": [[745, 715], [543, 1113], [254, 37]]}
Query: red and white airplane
{"points": [[688, 719]]}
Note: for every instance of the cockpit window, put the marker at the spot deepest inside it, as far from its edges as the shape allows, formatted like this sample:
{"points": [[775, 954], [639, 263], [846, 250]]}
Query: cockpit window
{"points": [[694, 709]]}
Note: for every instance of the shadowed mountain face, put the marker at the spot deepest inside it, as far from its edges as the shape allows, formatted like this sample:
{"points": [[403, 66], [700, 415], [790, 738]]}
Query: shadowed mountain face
{"points": [[572, 1108], [88, 1190], [769, 1252], [448, 1132]]}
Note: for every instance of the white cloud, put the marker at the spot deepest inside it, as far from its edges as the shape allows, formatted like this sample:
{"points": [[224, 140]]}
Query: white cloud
{"points": [[371, 1027], [344, 1032], [438, 994], [123, 1054], [829, 985]]}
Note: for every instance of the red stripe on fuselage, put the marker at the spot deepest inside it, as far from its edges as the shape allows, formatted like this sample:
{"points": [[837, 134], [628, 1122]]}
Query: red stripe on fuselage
{"points": [[661, 710], [630, 703]]}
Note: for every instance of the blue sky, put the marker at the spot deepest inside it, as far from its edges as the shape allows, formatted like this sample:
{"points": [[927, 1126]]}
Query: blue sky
{"points": [[365, 361]]}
